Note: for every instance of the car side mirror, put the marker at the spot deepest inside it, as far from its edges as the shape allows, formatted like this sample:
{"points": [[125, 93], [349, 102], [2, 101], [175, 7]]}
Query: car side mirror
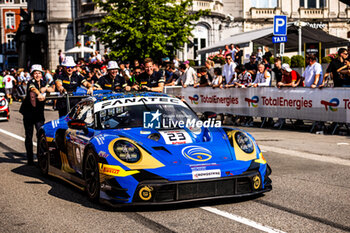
{"points": [[78, 125]]}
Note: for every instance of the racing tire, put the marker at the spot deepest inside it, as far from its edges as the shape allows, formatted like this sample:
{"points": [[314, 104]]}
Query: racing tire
{"points": [[92, 176], [43, 155]]}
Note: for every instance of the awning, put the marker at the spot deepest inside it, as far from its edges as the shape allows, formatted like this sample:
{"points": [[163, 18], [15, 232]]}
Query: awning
{"points": [[264, 37], [309, 35], [241, 39], [79, 50]]}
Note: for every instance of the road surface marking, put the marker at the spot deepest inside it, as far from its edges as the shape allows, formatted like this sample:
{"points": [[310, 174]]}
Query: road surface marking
{"points": [[242, 220], [15, 136], [342, 143], [306, 155]]}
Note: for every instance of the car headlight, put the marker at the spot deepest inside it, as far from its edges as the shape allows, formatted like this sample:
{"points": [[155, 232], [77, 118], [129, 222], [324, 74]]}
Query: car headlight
{"points": [[244, 142], [126, 151], [2, 102]]}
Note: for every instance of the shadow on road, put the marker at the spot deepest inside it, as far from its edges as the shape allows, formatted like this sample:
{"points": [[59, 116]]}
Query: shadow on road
{"points": [[65, 191], [59, 188], [14, 157]]}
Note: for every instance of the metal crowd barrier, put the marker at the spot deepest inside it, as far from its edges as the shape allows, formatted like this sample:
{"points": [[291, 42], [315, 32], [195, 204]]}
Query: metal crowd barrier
{"points": [[319, 105]]}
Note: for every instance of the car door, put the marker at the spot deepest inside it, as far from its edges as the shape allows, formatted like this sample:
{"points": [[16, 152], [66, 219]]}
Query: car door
{"points": [[78, 139]]}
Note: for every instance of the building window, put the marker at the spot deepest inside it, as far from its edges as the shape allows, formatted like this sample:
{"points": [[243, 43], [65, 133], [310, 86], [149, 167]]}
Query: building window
{"points": [[10, 42], [312, 3], [264, 3], [9, 1], [10, 20], [23, 1]]}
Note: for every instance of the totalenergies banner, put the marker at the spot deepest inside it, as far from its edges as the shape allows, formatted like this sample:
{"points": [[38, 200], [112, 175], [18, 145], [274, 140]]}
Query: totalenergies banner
{"points": [[327, 104]]}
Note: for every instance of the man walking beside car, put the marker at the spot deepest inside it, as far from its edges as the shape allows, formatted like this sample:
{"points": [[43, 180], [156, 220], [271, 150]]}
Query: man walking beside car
{"points": [[32, 108]]}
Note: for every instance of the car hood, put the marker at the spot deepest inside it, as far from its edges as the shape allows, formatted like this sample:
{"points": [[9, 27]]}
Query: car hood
{"points": [[207, 145]]}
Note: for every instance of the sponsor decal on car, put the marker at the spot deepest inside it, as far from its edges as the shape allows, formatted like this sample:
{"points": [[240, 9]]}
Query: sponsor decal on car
{"points": [[103, 154], [100, 140], [113, 170], [145, 193], [202, 166], [145, 132], [256, 182], [206, 174], [174, 137], [135, 101], [197, 153], [55, 123]]}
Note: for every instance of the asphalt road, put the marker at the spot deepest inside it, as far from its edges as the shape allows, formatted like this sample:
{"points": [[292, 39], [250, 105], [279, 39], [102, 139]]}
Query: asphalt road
{"points": [[311, 193]]}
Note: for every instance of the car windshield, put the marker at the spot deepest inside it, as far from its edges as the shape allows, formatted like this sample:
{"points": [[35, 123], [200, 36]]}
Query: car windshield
{"points": [[134, 115]]}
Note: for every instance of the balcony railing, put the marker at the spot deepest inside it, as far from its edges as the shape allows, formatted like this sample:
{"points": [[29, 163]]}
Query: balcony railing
{"points": [[313, 13], [214, 6], [264, 13]]}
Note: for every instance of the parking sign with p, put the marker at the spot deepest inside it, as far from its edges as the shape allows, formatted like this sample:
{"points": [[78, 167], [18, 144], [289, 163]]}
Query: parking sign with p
{"points": [[280, 25]]}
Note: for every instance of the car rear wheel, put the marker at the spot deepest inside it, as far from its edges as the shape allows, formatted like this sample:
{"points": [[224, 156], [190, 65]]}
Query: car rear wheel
{"points": [[43, 155], [92, 176]]}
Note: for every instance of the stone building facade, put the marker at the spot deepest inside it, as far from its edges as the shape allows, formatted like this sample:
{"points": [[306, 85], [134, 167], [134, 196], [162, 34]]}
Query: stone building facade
{"points": [[208, 30], [61, 23], [52, 23], [332, 16], [10, 19]]}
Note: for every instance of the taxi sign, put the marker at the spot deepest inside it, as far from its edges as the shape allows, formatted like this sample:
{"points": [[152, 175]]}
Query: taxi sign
{"points": [[279, 39]]}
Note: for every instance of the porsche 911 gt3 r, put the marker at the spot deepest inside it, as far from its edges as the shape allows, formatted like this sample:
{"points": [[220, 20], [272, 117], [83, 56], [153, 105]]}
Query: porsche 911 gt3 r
{"points": [[4, 108], [121, 149]]}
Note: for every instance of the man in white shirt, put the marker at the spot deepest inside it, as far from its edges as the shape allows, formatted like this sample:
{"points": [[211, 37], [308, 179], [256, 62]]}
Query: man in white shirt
{"points": [[190, 77], [233, 51], [229, 69], [8, 80], [263, 77], [313, 73]]}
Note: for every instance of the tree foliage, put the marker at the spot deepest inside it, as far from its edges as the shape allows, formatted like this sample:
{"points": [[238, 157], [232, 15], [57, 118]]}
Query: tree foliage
{"points": [[297, 61], [135, 29]]}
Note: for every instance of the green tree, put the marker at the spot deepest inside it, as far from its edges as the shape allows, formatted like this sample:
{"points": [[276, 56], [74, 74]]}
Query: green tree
{"points": [[135, 29]]}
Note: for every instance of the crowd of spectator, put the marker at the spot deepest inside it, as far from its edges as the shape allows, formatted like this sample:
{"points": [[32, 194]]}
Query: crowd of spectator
{"points": [[257, 72]]}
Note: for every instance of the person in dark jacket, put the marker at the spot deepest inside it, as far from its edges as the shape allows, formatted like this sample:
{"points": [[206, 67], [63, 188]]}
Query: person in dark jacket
{"points": [[112, 81], [32, 108], [69, 81]]}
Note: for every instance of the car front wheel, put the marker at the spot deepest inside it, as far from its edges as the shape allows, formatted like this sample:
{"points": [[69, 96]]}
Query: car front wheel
{"points": [[43, 155], [91, 176]]}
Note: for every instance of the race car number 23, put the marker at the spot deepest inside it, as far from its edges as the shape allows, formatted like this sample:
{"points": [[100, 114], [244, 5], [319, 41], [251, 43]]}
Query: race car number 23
{"points": [[176, 137]]}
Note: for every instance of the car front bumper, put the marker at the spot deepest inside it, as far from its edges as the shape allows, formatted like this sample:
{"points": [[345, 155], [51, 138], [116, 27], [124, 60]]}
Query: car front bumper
{"points": [[171, 192]]}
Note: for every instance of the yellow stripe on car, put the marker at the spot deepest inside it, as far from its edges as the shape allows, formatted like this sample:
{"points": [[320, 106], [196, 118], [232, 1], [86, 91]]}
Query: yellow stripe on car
{"points": [[261, 159]]}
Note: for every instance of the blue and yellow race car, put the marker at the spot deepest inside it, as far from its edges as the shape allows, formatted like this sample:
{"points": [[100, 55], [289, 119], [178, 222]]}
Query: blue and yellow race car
{"points": [[150, 148]]}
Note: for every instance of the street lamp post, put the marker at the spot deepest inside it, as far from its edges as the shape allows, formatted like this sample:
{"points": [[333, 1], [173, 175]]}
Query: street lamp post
{"points": [[299, 33], [300, 24]]}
